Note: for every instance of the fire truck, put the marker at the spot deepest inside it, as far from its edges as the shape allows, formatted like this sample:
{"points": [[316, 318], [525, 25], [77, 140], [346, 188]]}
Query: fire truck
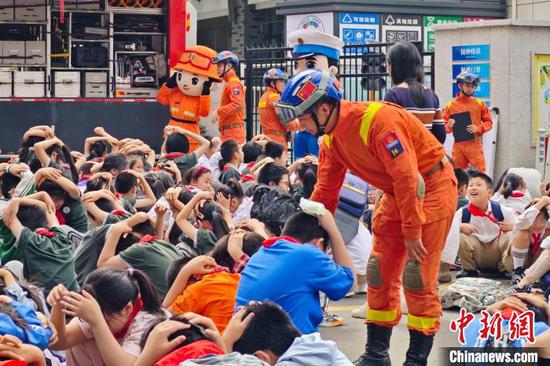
{"points": [[78, 64]]}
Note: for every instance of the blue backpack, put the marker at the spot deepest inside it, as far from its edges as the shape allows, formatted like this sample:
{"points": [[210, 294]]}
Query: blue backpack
{"points": [[495, 208]]}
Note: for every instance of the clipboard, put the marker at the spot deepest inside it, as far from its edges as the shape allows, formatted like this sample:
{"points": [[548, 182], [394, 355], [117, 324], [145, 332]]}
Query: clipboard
{"points": [[462, 120]]}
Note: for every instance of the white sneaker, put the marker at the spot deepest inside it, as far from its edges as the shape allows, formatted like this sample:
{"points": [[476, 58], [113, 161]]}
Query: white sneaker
{"points": [[361, 289], [360, 312]]}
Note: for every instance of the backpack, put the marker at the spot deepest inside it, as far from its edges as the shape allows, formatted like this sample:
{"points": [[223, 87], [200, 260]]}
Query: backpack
{"points": [[495, 209], [273, 207], [353, 195]]}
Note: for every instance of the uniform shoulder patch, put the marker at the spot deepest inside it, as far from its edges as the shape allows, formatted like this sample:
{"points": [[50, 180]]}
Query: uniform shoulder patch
{"points": [[236, 91], [393, 145]]}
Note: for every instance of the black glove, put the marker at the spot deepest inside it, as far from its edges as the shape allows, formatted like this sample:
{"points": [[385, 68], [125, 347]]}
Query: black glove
{"points": [[206, 87], [173, 81]]}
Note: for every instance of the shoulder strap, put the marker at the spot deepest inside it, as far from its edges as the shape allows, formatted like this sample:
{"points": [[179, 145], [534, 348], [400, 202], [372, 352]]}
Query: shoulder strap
{"points": [[497, 211], [466, 215]]}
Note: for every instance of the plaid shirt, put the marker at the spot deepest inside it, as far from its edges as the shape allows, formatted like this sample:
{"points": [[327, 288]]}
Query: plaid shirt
{"points": [[241, 263]]}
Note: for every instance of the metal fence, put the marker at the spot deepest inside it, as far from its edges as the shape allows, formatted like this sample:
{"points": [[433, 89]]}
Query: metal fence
{"points": [[362, 72]]}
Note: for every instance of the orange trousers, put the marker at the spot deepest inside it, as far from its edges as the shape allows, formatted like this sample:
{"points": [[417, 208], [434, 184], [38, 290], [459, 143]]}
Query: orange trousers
{"points": [[384, 297], [193, 127], [469, 153], [235, 133]]}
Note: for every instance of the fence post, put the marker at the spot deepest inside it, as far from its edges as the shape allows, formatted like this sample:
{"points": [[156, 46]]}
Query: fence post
{"points": [[249, 90]]}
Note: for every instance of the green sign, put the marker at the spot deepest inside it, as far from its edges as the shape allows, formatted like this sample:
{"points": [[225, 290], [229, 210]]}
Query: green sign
{"points": [[429, 34]]}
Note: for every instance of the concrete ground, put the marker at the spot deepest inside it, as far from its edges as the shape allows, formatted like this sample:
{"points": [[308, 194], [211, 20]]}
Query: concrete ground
{"points": [[351, 336]]}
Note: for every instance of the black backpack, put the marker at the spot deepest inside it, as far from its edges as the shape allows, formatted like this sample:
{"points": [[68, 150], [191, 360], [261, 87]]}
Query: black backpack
{"points": [[273, 207], [495, 209]]}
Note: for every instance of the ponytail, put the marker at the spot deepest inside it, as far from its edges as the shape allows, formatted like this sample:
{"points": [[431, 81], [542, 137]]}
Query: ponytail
{"points": [[308, 175], [147, 291], [210, 211], [68, 159], [221, 164], [511, 183]]}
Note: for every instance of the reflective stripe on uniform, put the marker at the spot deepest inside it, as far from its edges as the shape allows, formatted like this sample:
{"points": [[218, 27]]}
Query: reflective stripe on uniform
{"points": [[272, 95], [382, 315], [419, 322], [235, 79], [262, 104], [367, 118], [449, 104], [328, 140], [479, 102]]}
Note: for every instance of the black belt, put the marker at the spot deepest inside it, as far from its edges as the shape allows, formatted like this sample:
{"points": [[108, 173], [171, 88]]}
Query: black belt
{"points": [[182, 120]]}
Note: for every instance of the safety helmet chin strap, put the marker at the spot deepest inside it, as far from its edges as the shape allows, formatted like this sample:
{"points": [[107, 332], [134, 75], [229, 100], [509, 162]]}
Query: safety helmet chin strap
{"points": [[462, 90], [321, 128], [225, 71]]}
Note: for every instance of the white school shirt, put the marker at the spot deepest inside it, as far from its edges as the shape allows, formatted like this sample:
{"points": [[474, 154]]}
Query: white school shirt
{"points": [[487, 230], [211, 163], [517, 204]]}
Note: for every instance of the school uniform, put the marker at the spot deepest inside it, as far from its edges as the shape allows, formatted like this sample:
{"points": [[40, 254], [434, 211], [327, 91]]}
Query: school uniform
{"points": [[488, 247], [184, 162], [517, 201]]}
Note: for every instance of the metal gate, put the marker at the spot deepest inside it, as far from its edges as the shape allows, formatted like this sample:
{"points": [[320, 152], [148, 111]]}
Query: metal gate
{"points": [[362, 72]]}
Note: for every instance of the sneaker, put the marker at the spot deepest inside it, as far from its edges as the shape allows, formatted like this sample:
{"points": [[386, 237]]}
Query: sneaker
{"points": [[361, 289], [468, 273], [516, 289], [360, 312], [351, 293], [517, 275], [331, 321]]}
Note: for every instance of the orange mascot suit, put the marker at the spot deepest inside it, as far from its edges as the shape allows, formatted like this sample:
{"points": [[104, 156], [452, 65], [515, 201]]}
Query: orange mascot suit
{"points": [[187, 92]]}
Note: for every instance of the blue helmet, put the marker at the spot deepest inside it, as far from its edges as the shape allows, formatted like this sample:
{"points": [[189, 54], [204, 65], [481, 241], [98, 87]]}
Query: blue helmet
{"points": [[274, 74], [303, 91], [226, 57], [467, 77]]}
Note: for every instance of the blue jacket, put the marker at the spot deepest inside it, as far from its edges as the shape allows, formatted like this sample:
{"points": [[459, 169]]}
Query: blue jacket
{"points": [[292, 275], [34, 333]]}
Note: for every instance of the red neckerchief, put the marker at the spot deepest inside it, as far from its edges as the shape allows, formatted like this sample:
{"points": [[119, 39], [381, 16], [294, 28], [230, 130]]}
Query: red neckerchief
{"points": [[269, 242], [174, 155], [517, 194], [119, 213], [135, 310], [85, 177], [45, 232], [147, 238], [226, 168], [191, 351], [60, 217], [251, 165], [118, 195], [476, 211], [247, 178], [537, 240]]}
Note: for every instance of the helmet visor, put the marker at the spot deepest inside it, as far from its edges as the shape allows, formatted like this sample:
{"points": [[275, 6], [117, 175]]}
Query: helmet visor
{"points": [[286, 113]]}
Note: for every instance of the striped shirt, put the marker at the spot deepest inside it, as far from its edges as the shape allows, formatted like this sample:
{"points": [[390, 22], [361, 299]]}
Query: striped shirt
{"points": [[430, 114]]}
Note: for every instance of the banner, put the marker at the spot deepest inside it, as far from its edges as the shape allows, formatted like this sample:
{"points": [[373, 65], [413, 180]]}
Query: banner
{"points": [[178, 26], [541, 85]]}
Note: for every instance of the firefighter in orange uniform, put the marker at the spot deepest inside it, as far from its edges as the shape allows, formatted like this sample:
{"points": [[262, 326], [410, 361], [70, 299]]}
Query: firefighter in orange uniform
{"points": [[230, 113], [187, 92], [275, 81], [469, 153], [392, 150]]}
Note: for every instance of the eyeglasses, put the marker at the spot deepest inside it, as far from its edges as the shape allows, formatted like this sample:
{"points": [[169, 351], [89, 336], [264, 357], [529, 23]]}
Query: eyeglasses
{"points": [[196, 59]]}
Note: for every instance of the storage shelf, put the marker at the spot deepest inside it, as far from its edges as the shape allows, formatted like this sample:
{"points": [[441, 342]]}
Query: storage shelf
{"points": [[90, 40], [136, 11], [139, 33], [81, 68], [23, 22], [82, 11]]}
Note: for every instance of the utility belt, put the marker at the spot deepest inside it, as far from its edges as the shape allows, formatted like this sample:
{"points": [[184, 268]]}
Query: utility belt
{"points": [[231, 126], [183, 120], [437, 167]]}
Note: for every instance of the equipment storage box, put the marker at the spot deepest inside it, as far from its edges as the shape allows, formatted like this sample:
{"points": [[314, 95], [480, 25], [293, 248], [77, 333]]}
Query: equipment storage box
{"points": [[95, 85], [67, 84], [6, 10], [30, 10], [35, 52], [29, 84], [5, 84], [13, 52]]}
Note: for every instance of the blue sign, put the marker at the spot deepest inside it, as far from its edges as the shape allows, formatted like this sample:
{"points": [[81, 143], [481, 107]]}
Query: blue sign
{"points": [[474, 52], [482, 91], [358, 35], [359, 18], [481, 70]]}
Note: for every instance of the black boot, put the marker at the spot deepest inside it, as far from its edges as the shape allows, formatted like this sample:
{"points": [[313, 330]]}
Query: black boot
{"points": [[376, 349], [419, 349]]}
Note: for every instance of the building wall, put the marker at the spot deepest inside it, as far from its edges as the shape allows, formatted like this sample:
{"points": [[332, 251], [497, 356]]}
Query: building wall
{"points": [[513, 44], [529, 9]]}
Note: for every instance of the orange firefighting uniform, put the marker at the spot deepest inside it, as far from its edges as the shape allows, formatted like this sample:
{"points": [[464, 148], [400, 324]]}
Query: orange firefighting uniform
{"points": [[231, 110], [469, 152], [271, 126], [185, 108], [392, 150]]}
